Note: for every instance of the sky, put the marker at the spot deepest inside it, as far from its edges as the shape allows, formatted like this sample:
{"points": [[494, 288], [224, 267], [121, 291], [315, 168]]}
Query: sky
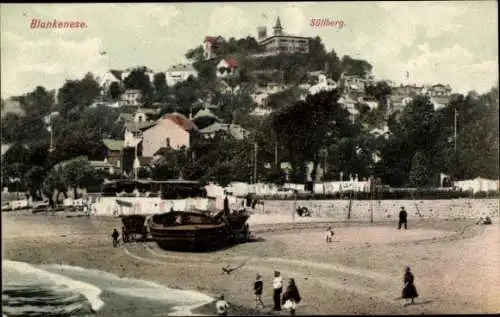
{"points": [[453, 43]]}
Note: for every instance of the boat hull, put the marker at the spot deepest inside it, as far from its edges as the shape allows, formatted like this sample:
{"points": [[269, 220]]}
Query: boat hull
{"points": [[190, 237]]}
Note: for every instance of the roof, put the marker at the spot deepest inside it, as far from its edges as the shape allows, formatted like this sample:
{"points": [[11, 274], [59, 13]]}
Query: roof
{"points": [[116, 73], [99, 164], [113, 145], [441, 85], [5, 148], [181, 68], [278, 24], [64, 163], [181, 121], [132, 91], [205, 113], [282, 36], [139, 126], [235, 130], [150, 111], [231, 62], [212, 39], [163, 151], [125, 117]]}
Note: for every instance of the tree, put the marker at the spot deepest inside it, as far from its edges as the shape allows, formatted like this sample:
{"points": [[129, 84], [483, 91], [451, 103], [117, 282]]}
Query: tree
{"points": [[380, 91], [115, 90], [161, 88], [52, 183], [308, 126], [355, 67], [90, 89], [77, 173], [421, 173], [195, 54], [34, 178]]}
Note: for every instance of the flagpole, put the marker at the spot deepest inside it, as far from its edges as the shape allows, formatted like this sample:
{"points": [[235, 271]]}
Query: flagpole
{"points": [[455, 129]]}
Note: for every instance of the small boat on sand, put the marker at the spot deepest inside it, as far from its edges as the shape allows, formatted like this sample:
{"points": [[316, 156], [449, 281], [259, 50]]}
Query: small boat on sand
{"points": [[193, 231]]}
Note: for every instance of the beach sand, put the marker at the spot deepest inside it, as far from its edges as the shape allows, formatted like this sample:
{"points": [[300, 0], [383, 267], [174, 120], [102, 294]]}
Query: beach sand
{"points": [[456, 263]]}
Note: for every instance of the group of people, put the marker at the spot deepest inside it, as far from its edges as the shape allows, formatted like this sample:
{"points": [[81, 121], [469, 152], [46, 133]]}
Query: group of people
{"points": [[289, 299]]}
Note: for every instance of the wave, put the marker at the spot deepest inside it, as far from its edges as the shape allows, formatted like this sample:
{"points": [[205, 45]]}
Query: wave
{"points": [[64, 290], [180, 301], [30, 291]]}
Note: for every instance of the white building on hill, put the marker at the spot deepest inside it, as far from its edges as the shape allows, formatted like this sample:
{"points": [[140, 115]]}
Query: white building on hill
{"points": [[179, 73]]}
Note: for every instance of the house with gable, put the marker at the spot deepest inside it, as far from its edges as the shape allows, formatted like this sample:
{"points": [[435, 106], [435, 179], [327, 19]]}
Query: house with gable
{"points": [[227, 67], [131, 97], [171, 131], [178, 73], [210, 46], [224, 130], [110, 77], [204, 117], [113, 154]]}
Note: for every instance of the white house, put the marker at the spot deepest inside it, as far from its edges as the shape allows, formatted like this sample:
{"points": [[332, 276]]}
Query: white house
{"points": [[227, 67], [350, 106], [324, 84], [131, 97], [179, 73]]}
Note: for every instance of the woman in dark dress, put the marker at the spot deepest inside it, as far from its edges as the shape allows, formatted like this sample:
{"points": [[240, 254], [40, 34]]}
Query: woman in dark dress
{"points": [[409, 289], [291, 297]]}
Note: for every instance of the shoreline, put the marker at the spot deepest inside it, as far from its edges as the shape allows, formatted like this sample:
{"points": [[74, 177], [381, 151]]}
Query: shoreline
{"points": [[51, 239]]}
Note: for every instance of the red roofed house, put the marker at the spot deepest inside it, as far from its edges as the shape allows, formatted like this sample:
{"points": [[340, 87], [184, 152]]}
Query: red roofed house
{"points": [[172, 131], [210, 46], [227, 67]]}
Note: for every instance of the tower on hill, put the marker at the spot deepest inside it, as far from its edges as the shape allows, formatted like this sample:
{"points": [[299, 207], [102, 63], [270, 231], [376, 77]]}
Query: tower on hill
{"points": [[278, 29]]}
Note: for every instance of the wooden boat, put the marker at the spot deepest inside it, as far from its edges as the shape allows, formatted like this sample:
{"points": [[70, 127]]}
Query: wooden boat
{"points": [[195, 231]]}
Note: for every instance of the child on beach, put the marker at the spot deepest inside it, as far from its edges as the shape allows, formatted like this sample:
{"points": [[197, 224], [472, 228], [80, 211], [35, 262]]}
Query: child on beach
{"points": [[258, 286], [115, 236], [329, 234], [221, 306]]}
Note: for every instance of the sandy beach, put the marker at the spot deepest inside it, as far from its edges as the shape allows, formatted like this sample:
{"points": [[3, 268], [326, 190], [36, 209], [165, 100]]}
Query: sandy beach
{"points": [[456, 263]]}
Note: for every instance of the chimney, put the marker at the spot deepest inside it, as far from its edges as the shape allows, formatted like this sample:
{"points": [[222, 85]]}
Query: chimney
{"points": [[261, 33]]}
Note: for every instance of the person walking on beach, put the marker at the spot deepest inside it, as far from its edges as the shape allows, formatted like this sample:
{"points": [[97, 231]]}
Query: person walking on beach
{"points": [[403, 218], [329, 234], [258, 287], [291, 297], [409, 289], [277, 290], [221, 306], [115, 236]]}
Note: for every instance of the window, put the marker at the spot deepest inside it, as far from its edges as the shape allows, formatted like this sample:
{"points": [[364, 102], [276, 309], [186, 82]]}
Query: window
{"points": [[168, 142]]}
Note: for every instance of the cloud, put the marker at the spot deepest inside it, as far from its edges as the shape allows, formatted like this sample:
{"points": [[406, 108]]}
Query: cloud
{"points": [[40, 58], [227, 21], [454, 65], [414, 26], [294, 20]]}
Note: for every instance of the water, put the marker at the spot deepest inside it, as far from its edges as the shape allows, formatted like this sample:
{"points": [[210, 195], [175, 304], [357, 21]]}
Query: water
{"points": [[62, 290]]}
